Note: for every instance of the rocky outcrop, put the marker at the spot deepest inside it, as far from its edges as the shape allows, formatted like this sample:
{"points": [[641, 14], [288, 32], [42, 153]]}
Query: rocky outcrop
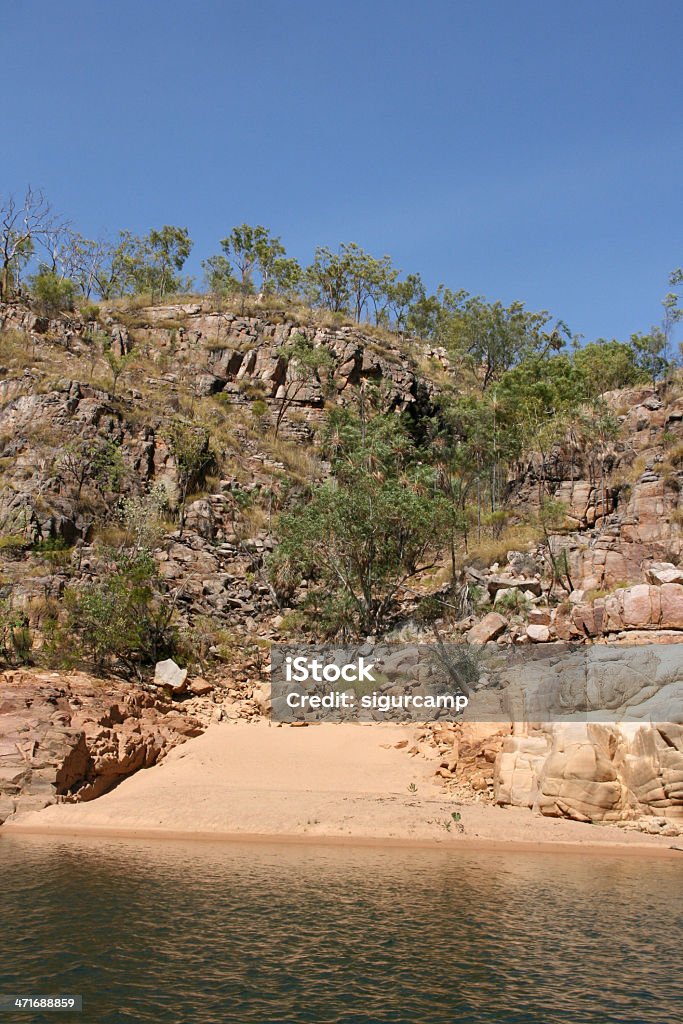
{"points": [[74, 737], [596, 772], [643, 607]]}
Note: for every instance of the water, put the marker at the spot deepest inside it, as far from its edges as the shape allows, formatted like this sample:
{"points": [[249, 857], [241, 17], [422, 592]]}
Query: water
{"points": [[180, 932]]}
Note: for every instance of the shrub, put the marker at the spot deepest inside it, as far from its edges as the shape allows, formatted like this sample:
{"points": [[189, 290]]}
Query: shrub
{"points": [[120, 617], [51, 293], [15, 636]]}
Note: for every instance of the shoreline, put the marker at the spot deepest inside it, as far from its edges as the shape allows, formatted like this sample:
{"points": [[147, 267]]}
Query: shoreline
{"points": [[453, 844], [331, 786]]}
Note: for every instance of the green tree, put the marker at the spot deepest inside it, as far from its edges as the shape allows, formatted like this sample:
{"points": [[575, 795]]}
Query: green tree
{"points": [[152, 264], [327, 280], [608, 365], [651, 352], [370, 529], [219, 276], [404, 296], [51, 293], [363, 539], [489, 337], [97, 462], [286, 277], [117, 366], [249, 250], [167, 253]]}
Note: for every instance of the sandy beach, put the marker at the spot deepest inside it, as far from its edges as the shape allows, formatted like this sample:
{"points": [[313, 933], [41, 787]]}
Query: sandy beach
{"points": [[326, 783]]}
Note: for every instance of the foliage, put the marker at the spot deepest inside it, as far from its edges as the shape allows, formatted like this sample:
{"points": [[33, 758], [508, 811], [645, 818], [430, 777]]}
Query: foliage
{"points": [[140, 517], [51, 293], [189, 445], [121, 616], [96, 461], [608, 365], [651, 352], [15, 636], [117, 366], [367, 531], [151, 264]]}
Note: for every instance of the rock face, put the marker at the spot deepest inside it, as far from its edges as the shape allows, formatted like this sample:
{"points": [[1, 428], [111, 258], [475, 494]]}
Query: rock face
{"points": [[641, 607], [72, 737], [595, 772]]}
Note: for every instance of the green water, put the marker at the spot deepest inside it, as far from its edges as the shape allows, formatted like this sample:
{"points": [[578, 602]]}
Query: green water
{"points": [[180, 932]]}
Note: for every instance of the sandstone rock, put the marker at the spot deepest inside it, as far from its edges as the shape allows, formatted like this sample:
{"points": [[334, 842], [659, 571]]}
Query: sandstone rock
{"points": [[200, 687], [664, 572], [167, 673], [496, 583], [490, 628], [538, 634]]}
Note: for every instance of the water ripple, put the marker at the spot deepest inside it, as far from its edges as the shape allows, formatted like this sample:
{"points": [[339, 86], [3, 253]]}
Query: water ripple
{"points": [[216, 933]]}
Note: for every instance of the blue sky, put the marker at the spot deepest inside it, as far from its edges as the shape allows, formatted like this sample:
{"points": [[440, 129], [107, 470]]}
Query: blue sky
{"points": [[525, 149]]}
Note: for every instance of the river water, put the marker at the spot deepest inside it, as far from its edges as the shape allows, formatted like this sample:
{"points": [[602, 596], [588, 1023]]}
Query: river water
{"points": [[220, 932]]}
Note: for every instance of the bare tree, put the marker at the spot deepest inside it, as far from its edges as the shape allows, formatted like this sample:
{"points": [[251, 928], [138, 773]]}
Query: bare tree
{"points": [[57, 242], [21, 225]]}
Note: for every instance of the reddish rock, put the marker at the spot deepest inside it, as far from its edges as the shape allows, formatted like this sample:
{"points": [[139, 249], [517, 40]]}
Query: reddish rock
{"points": [[490, 627]]}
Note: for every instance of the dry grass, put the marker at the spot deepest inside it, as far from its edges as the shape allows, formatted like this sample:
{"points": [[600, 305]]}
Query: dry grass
{"points": [[494, 549], [626, 476], [300, 462]]}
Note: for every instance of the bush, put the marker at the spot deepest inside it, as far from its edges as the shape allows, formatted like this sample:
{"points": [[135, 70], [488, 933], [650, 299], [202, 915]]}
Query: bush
{"points": [[90, 312], [120, 617], [51, 293], [15, 636]]}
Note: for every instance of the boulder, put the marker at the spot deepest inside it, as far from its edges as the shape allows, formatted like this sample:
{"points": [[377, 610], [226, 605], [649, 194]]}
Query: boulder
{"points": [[539, 634], [490, 628], [168, 674], [664, 572], [200, 687], [495, 583]]}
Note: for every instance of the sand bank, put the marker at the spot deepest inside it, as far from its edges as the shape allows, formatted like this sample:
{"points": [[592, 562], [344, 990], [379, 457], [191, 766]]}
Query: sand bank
{"points": [[326, 784]]}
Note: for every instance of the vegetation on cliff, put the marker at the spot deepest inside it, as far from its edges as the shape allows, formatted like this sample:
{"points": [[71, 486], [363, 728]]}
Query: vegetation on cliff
{"points": [[181, 472]]}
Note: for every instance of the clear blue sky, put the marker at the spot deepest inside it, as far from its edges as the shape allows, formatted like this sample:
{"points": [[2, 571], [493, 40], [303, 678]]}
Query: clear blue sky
{"points": [[524, 149]]}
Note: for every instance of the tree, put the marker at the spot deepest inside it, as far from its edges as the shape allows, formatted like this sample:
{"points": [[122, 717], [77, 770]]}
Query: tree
{"points": [[97, 461], [286, 277], [22, 224], [248, 249], [51, 293], [368, 279], [219, 276], [327, 280], [121, 616], [151, 264], [167, 252], [404, 295], [303, 365], [489, 337], [651, 352], [118, 366], [366, 532], [364, 539], [608, 365]]}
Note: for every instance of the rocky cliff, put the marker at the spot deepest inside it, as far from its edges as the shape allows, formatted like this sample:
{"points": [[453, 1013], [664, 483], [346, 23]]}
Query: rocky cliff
{"points": [[619, 541]]}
